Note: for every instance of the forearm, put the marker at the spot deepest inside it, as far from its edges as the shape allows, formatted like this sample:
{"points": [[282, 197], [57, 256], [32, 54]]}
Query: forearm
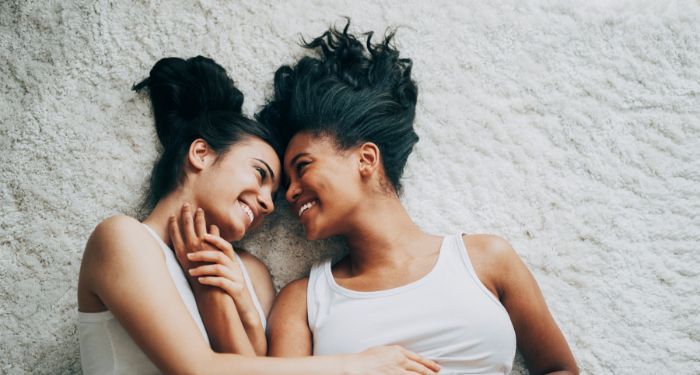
{"points": [[223, 324], [233, 364], [256, 334]]}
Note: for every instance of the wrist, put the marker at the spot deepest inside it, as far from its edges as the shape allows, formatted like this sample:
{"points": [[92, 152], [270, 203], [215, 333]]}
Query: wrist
{"points": [[345, 362], [251, 319]]}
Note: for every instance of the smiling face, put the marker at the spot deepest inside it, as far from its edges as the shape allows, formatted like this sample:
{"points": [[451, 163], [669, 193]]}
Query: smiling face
{"points": [[325, 186], [236, 190]]}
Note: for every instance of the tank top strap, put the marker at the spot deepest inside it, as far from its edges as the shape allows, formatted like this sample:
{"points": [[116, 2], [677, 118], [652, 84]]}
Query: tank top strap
{"points": [[251, 291], [462, 259], [452, 251]]}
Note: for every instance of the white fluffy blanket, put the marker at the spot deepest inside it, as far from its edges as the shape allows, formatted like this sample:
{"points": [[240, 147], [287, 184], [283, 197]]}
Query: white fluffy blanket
{"points": [[571, 128]]}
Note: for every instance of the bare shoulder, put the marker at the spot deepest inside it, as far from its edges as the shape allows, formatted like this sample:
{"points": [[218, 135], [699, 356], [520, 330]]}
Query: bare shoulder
{"points": [[489, 248], [295, 291], [116, 236], [291, 300], [493, 258], [290, 335], [116, 242], [252, 263]]}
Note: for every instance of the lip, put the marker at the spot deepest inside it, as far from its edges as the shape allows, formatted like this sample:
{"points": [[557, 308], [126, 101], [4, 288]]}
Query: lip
{"points": [[253, 209], [301, 202]]}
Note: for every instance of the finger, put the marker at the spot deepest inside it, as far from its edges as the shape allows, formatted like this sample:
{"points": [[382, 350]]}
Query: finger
{"points": [[188, 228], [213, 256], [214, 230], [176, 237], [426, 363], [417, 368], [230, 287], [221, 244], [215, 270], [200, 223]]}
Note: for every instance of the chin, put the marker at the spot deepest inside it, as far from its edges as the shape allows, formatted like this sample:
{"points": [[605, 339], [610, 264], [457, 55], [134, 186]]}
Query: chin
{"points": [[314, 234]]}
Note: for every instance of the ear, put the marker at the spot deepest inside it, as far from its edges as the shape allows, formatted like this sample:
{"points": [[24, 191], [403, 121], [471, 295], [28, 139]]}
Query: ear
{"points": [[200, 155], [369, 158]]}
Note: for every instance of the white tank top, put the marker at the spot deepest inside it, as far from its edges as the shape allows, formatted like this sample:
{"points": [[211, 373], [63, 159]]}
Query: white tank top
{"points": [[448, 316], [106, 348]]}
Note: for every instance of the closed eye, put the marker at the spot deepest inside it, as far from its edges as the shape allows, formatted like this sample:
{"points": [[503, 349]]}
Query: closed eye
{"points": [[300, 167]]}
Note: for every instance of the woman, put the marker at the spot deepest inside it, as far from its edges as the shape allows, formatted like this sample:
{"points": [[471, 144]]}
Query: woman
{"points": [[137, 311], [462, 300]]}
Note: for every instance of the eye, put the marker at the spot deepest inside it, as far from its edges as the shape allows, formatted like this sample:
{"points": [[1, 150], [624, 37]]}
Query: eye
{"points": [[262, 172], [300, 167]]}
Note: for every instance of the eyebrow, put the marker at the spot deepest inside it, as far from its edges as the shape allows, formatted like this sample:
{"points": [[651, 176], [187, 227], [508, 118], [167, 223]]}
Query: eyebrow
{"points": [[268, 168]]}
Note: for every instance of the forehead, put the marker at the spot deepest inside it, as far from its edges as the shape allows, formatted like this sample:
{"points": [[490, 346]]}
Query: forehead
{"points": [[309, 143], [256, 148]]}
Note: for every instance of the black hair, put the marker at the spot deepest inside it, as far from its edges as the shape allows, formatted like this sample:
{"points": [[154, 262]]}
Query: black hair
{"points": [[355, 92], [192, 99]]}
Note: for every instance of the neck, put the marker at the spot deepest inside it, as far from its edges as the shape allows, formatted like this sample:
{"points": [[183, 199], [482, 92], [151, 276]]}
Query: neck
{"points": [[169, 206], [383, 235]]}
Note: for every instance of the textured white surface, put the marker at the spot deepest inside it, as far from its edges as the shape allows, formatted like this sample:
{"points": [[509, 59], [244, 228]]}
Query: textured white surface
{"points": [[571, 130]]}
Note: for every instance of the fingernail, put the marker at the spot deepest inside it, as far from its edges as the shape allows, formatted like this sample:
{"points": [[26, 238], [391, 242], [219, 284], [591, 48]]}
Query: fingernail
{"points": [[191, 271], [200, 209], [190, 255]]}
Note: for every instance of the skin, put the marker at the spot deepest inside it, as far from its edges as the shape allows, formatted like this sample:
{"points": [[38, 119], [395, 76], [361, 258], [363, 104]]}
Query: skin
{"points": [[123, 270], [388, 250]]}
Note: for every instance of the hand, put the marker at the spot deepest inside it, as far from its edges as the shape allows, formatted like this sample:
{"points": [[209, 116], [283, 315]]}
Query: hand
{"points": [[210, 261], [187, 236], [386, 360], [222, 272]]}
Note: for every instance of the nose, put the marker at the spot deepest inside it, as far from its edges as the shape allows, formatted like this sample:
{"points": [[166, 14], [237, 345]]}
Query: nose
{"points": [[266, 202], [293, 192]]}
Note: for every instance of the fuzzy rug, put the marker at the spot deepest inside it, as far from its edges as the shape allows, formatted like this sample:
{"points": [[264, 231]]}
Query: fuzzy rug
{"points": [[570, 128]]}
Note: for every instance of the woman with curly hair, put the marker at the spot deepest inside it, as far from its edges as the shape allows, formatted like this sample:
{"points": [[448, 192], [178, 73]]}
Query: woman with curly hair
{"points": [[465, 300]]}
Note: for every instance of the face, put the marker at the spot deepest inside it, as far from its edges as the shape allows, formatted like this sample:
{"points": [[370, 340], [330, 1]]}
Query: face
{"points": [[236, 191], [325, 187]]}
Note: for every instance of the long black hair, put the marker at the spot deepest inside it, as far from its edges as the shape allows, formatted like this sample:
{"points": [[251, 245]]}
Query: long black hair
{"points": [[354, 92], [192, 99]]}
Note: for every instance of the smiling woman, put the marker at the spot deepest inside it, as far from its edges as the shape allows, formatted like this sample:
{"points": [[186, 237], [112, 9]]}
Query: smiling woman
{"points": [[463, 300], [137, 309]]}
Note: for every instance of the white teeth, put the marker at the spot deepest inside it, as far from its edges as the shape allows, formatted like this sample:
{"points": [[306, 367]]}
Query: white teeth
{"points": [[247, 211], [306, 206]]}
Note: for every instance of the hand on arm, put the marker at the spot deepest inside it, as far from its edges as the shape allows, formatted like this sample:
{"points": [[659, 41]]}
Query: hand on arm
{"points": [[217, 283]]}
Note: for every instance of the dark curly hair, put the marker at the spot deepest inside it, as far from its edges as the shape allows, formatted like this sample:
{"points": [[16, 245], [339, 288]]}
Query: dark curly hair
{"points": [[354, 92], [192, 99]]}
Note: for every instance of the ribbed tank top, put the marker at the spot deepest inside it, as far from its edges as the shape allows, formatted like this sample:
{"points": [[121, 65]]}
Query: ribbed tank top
{"points": [[448, 316], [106, 348]]}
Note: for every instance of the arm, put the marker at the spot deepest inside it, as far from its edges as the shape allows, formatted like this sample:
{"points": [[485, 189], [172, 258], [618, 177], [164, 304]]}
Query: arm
{"points": [[539, 339], [231, 328], [124, 268], [290, 335]]}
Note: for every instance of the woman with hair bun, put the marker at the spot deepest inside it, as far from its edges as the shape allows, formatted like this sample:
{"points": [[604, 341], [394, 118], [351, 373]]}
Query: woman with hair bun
{"points": [[461, 300], [212, 183]]}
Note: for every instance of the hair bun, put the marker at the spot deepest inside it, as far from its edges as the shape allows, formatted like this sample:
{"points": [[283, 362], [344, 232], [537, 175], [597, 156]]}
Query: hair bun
{"points": [[183, 91]]}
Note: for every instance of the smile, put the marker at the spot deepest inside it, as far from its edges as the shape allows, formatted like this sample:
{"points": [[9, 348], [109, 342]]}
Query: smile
{"points": [[246, 209], [306, 207]]}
